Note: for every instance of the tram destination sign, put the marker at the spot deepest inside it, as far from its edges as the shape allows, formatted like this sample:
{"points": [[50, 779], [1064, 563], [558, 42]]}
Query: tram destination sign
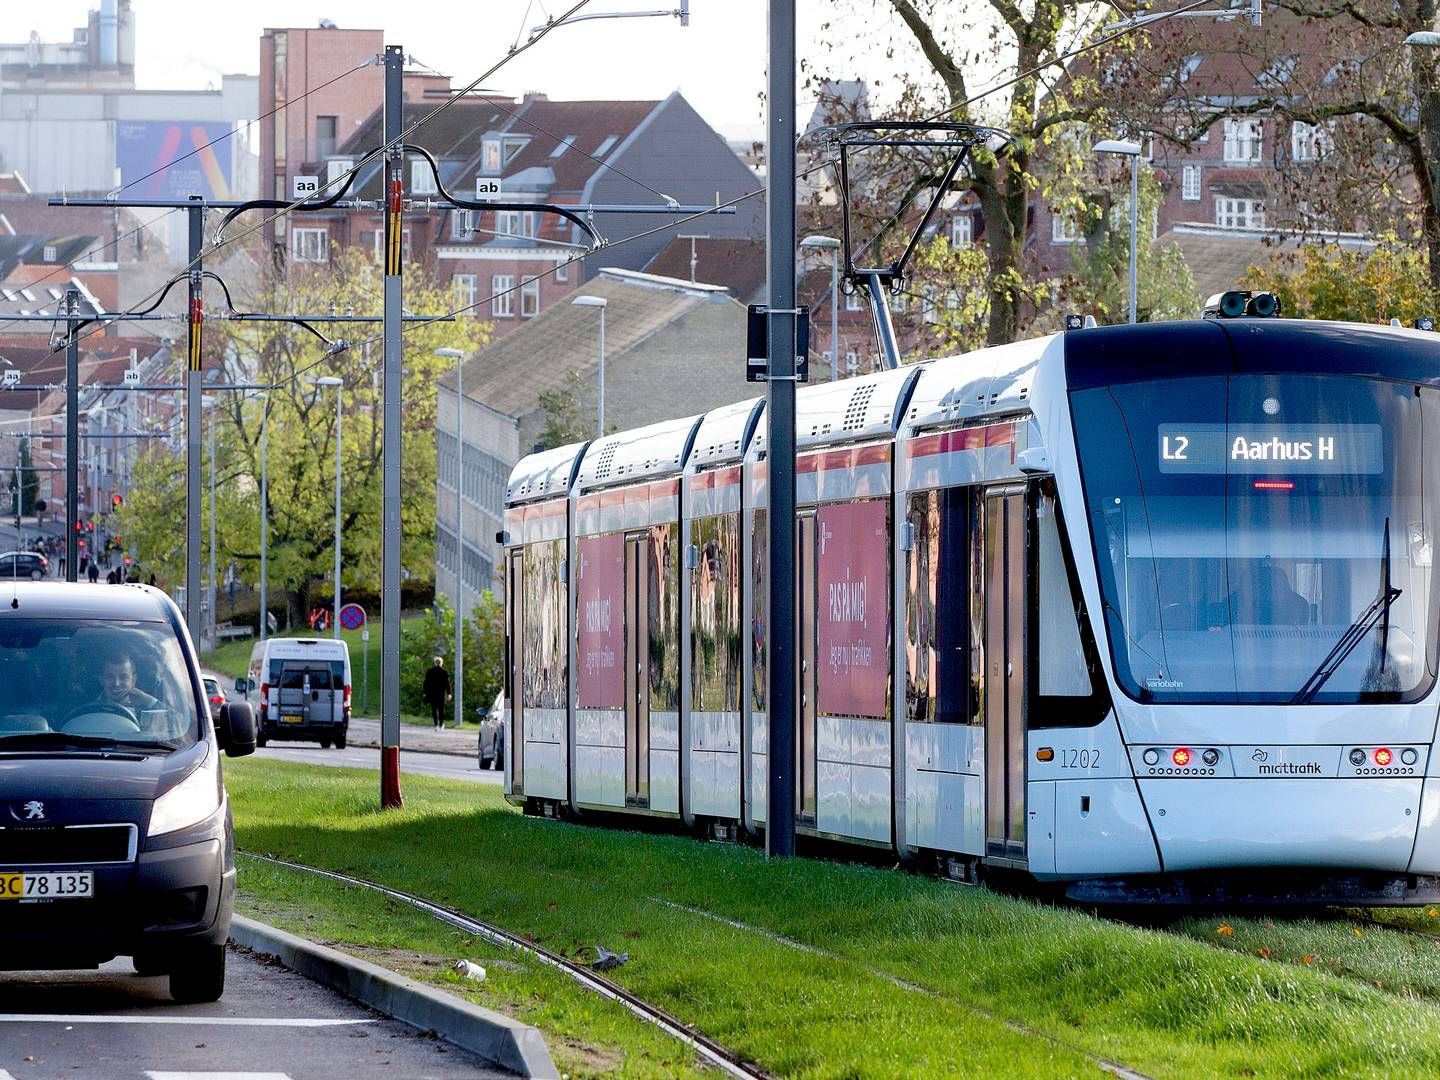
{"points": [[1290, 449]]}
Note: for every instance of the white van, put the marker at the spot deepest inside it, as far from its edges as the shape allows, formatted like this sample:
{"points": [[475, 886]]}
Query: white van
{"points": [[304, 686]]}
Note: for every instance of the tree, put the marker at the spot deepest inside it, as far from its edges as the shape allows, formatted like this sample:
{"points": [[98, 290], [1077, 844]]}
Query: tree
{"points": [[484, 644], [1329, 282], [301, 437], [563, 422]]}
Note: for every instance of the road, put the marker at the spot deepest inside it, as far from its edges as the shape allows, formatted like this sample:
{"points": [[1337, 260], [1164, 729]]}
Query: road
{"points": [[272, 1024], [449, 766]]}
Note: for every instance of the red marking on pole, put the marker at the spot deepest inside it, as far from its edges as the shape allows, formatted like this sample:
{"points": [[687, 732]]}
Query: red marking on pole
{"points": [[390, 797]]}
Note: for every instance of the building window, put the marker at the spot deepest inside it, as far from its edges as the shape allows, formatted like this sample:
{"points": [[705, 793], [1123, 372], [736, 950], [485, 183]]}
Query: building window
{"points": [[377, 242], [1239, 213], [1190, 183], [1310, 142], [929, 295], [563, 145], [326, 128], [1242, 140], [562, 271], [962, 230], [513, 223], [502, 302], [466, 286], [490, 157], [310, 245], [530, 298], [335, 170], [854, 301], [422, 178], [462, 224], [852, 363], [49, 254], [1065, 229], [605, 145]]}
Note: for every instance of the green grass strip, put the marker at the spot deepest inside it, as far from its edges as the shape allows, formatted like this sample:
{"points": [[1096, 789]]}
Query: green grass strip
{"points": [[1161, 1003]]}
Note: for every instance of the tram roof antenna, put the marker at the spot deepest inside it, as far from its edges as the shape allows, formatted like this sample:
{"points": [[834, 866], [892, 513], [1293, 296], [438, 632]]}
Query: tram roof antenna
{"points": [[957, 141]]}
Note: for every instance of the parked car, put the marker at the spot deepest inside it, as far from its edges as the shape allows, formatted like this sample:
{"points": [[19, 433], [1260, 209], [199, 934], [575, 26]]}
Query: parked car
{"points": [[491, 754], [215, 696], [117, 838], [24, 564]]}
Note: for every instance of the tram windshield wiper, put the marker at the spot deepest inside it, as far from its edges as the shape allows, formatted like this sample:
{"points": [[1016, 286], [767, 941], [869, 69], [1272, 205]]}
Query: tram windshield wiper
{"points": [[1378, 610]]}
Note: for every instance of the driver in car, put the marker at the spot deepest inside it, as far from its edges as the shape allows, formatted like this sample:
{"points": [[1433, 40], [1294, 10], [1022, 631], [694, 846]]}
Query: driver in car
{"points": [[117, 686]]}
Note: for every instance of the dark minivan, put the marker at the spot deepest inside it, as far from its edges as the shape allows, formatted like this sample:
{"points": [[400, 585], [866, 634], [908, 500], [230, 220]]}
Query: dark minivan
{"points": [[115, 831]]}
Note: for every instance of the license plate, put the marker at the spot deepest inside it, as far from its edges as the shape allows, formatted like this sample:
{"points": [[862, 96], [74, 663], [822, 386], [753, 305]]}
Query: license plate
{"points": [[52, 885], [292, 718]]}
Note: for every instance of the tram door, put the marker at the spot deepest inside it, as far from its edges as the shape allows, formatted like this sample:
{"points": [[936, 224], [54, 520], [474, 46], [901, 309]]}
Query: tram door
{"points": [[637, 670], [1006, 604], [514, 632], [805, 697]]}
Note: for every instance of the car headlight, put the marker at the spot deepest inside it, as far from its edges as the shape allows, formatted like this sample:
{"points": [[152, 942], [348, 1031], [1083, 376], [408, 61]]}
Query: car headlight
{"points": [[189, 802]]}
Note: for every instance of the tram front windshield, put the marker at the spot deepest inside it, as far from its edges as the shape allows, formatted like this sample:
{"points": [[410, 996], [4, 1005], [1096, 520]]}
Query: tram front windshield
{"points": [[1264, 538]]}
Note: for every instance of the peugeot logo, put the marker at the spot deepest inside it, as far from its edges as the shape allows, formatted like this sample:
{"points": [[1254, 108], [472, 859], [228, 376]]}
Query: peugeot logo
{"points": [[1259, 755], [34, 810]]}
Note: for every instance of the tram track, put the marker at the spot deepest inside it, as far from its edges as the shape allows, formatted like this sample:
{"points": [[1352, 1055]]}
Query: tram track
{"points": [[712, 1052]]}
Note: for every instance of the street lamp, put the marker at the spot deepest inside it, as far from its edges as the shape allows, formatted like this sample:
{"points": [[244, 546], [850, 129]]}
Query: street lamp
{"points": [[332, 381], [597, 302], [458, 355], [1132, 151], [832, 245]]}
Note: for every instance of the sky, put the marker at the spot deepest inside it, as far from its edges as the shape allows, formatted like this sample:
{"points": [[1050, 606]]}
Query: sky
{"points": [[718, 62]]}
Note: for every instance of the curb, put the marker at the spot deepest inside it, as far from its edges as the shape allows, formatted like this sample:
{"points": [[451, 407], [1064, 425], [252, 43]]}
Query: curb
{"points": [[468, 754], [489, 1035]]}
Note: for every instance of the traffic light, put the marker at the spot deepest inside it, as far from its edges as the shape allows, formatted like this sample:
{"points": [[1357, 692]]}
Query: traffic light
{"points": [[117, 501], [79, 526]]}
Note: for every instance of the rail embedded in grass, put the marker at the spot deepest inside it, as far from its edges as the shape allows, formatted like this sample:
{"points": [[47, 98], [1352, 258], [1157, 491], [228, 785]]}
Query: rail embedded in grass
{"points": [[1158, 1003]]}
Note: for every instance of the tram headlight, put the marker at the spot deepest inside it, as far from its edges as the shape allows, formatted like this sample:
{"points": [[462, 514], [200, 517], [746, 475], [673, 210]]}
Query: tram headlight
{"points": [[1152, 756], [1181, 756], [1383, 756], [1408, 756], [1357, 757]]}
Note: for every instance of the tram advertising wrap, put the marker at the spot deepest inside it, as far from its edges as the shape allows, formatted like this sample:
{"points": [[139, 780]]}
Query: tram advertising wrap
{"points": [[853, 622], [600, 614]]}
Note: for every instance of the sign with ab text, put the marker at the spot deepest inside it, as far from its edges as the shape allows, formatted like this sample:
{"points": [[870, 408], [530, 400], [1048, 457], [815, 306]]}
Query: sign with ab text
{"points": [[12, 377], [131, 377], [488, 188]]}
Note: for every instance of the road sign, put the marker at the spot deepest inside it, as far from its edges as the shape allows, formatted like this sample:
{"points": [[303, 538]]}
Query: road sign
{"points": [[132, 377], [757, 327], [488, 188], [12, 377], [302, 187], [352, 616], [364, 635]]}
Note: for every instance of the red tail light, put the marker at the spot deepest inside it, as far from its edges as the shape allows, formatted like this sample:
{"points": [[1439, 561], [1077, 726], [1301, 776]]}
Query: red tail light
{"points": [[217, 700], [1383, 756], [1181, 756], [347, 695]]}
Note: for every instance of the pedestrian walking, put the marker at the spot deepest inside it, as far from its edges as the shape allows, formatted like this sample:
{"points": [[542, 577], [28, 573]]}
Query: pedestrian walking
{"points": [[437, 691], [93, 572]]}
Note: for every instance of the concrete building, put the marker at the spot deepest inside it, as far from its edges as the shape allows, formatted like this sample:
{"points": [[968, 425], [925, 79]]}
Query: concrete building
{"points": [[672, 348], [72, 120]]}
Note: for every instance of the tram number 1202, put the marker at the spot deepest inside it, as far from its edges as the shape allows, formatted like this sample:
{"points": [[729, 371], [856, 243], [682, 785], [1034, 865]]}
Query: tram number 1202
{"points": [[1079, 759]]}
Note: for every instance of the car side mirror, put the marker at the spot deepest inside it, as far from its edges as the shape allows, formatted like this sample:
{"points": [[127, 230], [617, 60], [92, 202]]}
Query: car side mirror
{"points": [[242, 686], [237, 728]]}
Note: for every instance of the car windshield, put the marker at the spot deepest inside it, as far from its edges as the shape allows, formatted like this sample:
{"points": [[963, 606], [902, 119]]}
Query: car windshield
{"points": [[72, 684], [1264, 538]]}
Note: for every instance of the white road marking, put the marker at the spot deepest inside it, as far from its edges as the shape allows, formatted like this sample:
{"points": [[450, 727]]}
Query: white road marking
{"points": [[153, 1075], [218, 1021]]}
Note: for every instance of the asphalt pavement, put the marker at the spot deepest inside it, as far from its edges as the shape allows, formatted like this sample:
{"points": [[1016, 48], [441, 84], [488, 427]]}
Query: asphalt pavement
{"points": [[450, 766], [272, 1024]]}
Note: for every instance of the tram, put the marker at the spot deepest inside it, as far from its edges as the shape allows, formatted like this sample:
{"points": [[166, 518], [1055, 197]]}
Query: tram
{"points": [[1144, 610]]}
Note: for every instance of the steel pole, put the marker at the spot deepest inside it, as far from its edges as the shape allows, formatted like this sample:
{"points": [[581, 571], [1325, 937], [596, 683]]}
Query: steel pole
{"points": [[196, 213], [72, 432], [1134, 224], [459, 543], [335, 620], [780, 418], [834, 313], [214, 587], [600, 412], [264, 517], [394, 194]]}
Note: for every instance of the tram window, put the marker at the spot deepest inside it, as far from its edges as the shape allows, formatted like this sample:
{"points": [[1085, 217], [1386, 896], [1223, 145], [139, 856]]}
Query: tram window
{"points": [[716, 637], [664, 619], [543, 609], [940, 671], [759, 605]]}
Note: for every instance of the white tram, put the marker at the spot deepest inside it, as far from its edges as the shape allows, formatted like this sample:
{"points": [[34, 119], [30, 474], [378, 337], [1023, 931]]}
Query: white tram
{"points": [[1147, 610]]}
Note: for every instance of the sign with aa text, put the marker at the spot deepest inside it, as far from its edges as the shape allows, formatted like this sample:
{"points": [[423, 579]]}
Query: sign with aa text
{"points": [[852, 628], [600, 618]]}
